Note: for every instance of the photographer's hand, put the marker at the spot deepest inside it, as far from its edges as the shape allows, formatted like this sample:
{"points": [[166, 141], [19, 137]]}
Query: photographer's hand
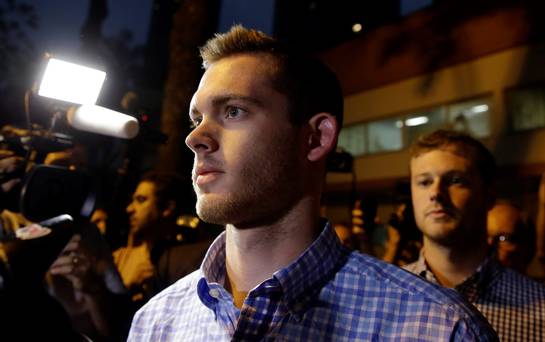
{"points": [[79, 266], [88, 265]]}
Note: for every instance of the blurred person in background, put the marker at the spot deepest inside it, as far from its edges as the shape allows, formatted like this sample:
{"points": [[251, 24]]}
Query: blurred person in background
{"points": [[28, 311], [11, 171], [344, 232], [114, 285], [404, 238], [100, 219], [452, 186], [536, 268], [364, 214], [511, 236]]}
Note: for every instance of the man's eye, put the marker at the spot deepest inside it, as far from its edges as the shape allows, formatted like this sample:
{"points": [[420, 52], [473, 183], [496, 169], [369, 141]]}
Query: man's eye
{"points": [[233, 112], [194, 122], [423, 182], [457, 180]]}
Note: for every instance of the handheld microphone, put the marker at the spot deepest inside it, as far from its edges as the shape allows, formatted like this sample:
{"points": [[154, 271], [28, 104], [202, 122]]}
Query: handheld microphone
{"points": [[100, 120]]}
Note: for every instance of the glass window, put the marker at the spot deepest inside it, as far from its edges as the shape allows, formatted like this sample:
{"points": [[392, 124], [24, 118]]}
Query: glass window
{"points": [[526, 107], [385, 135], [418, 124], [352, 139], [471, 117]]}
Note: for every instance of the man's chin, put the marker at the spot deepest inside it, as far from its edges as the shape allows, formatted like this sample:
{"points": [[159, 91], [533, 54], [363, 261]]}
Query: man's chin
{"points": [[220, 210]]}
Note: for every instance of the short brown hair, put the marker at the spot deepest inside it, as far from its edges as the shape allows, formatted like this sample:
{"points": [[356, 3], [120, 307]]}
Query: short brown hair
{"points": [[310, 86], [461, 144]]}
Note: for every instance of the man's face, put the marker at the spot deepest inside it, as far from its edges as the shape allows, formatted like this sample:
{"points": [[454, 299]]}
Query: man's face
{"points": [[99, 219], [506, 231], [449, 198], [143, 211], [248, 155]]}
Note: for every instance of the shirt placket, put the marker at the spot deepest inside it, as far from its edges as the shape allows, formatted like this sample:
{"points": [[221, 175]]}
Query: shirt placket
{"points": [[226, 312], [259, 312]]}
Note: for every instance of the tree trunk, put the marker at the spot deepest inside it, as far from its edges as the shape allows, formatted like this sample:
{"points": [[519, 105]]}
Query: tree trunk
{"points": [[194, 22]]}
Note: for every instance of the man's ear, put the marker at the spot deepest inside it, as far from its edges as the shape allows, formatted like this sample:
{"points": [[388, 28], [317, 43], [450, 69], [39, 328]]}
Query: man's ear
{"points": [[171, 205], [323, 137]]}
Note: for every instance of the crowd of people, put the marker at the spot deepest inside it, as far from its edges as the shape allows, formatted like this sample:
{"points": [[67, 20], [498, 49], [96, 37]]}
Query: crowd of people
{"points": [[265, 119]]}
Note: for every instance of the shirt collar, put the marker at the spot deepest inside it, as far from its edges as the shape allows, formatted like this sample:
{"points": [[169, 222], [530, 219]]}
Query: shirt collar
{"points": [[213, 265], [299, 281], [304, 277], [475, 285]]}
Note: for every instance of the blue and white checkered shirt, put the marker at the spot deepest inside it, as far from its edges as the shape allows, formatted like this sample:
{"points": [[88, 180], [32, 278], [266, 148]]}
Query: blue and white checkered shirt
{"points": [[513, 304], [327, 294]]}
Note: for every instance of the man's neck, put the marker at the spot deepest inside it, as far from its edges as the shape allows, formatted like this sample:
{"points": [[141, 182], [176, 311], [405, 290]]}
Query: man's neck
{"points": [[254, 254], [451, 265]]}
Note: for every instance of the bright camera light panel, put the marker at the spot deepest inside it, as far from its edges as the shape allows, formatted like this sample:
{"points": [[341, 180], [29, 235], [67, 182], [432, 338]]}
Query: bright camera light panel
{"points": [[71, 82]]}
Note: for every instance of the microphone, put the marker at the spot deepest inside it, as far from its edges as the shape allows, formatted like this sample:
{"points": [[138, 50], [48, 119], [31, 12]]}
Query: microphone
{"points": [[100, 120]]}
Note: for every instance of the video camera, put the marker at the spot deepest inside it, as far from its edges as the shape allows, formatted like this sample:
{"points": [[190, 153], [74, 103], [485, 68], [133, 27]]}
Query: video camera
{"points": [[52, 196], [47, 191], [44, 191]]}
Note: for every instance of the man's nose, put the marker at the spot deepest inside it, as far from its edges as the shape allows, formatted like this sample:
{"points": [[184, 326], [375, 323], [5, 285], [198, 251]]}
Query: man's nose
{"points": [[438, 191], [203, 139]]}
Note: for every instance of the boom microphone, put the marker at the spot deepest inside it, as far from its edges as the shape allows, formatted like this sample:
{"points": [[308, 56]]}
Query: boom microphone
{"points": [[100, 120]]}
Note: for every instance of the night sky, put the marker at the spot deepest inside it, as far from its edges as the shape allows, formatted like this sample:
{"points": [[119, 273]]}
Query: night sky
{"points": [[60, 21]]}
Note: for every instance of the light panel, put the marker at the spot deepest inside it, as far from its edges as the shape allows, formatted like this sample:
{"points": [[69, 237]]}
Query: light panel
{"points": [[71, 82]]}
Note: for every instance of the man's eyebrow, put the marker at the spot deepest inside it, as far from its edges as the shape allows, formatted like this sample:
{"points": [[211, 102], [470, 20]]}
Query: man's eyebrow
{"points": [[193, 112], [223, 99], [422, 174]]}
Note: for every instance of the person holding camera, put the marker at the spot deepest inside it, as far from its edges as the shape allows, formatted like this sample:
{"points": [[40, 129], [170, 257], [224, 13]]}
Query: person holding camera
{"points": [[24, 303], [109, 287], [10, 164]]}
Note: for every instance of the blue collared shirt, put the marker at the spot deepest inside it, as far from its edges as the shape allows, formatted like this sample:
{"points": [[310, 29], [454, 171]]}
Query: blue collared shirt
{"points": [[327, 294], [513, 304]]}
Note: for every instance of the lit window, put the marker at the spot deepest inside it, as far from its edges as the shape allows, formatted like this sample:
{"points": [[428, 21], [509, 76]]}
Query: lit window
{"points": [[385, 135], [471, 117], [352, 139], [526, 107], [421, 123]]}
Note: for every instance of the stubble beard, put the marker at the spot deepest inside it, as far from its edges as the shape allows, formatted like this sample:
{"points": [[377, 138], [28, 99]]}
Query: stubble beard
{"points": [[264, 188]]}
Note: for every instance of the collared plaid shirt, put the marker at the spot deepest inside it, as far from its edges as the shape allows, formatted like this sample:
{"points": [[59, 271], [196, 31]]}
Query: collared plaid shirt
{"points": [[513, 304], [327, 294]]}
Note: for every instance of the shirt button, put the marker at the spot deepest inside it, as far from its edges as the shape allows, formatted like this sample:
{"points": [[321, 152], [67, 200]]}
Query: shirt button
{"points": [[214, 293]]}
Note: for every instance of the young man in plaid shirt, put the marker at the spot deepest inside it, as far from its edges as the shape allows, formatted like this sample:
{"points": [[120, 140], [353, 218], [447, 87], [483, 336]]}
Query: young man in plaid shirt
{"points": [[265, 121], [452, 178]]}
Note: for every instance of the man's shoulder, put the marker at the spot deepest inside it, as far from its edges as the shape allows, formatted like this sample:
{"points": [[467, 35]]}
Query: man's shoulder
{"points": [[391, 280], [181, 288], [174, 296], [171, 307], [518, 284], [388, 296]]}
